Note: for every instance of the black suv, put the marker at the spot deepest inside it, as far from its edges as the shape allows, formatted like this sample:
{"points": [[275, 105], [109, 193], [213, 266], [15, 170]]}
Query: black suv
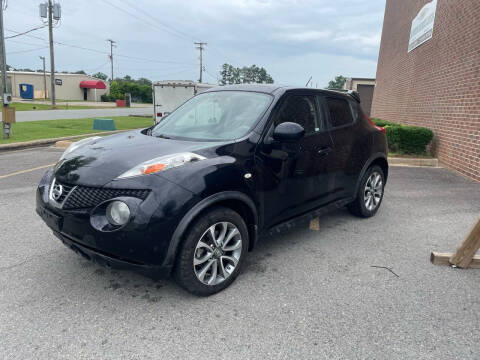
{"points": [[192, 194]]}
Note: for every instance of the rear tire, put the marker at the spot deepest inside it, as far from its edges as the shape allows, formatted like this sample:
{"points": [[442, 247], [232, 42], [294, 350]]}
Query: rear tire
{"points": [[212, 252], [370, 193]]}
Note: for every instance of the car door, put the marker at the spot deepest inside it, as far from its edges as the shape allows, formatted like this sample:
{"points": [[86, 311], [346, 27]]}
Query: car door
{"points": [[347, 152], [294, 175]]}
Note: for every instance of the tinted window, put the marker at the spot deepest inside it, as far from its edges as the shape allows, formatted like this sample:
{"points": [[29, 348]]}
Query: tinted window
{"points": [[300, 110], [340, 113]]}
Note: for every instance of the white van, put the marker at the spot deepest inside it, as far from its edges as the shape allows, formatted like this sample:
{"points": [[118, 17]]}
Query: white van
{"points": [[170, 94]]}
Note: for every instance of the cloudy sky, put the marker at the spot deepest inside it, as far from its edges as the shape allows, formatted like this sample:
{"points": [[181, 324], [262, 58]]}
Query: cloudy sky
{"points": [[292, 39]]}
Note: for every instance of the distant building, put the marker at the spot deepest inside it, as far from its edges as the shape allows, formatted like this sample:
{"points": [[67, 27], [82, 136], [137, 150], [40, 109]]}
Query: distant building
{"points": [[67, 86], [428, 74], [365, 87]]}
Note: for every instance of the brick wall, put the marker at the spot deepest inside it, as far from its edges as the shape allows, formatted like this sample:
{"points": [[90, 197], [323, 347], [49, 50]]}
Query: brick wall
{"points": [[436, 85]]}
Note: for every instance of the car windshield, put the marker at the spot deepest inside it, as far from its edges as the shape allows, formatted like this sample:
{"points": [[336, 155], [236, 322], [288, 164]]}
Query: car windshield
{"points": [[218, 115]]}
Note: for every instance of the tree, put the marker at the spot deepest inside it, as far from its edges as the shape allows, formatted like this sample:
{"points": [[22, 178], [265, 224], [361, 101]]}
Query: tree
{"points": [[245, 75], [144, 81], [100, 75], [141, 89], [338, 83]]}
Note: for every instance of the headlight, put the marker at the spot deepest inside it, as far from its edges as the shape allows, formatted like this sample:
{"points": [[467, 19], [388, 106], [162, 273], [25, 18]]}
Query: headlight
{"points": [[118, 213], [78, 144], [161, 164]]}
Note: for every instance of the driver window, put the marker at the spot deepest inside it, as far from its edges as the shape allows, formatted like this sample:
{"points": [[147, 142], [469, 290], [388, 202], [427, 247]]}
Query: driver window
{"points": [[300, 110]]}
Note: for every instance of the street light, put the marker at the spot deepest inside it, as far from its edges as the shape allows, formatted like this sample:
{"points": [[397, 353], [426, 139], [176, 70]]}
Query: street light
{"points": [[44, 78]]}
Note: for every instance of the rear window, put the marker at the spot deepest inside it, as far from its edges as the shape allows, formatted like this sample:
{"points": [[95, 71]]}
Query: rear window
{"points": [[340, 112]]}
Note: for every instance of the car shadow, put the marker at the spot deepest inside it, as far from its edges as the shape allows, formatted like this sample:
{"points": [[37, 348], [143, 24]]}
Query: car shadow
{"points": [[269, 248]]}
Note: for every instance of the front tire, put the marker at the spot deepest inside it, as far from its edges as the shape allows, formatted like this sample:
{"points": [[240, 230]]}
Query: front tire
{"points": [[370, 193], [212, 253]]}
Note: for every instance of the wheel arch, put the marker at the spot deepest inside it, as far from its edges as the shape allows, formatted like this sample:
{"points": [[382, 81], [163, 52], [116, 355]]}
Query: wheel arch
{"points": [[235, 200], [379, 159]]}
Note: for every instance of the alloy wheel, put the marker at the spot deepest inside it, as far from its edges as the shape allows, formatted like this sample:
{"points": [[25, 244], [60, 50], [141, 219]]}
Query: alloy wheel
{"points": [[217, 253], [373, 191]]}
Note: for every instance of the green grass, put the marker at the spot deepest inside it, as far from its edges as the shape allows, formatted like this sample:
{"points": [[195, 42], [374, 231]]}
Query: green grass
{"points": [[47, 129], [21, 106]]}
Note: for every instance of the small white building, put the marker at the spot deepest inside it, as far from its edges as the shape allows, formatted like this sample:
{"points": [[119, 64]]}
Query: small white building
{"points": [[67, 86], [365, 88]]}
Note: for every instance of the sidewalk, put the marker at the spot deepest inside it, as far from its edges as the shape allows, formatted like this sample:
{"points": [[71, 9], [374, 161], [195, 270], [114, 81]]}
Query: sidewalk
{"points": [[80, 114], [80, 103]]}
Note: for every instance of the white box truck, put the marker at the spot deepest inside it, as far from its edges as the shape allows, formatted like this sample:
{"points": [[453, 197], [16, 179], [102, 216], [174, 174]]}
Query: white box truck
{"points": [[170, 94]]}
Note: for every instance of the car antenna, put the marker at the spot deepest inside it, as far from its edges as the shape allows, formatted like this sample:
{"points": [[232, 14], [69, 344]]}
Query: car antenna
{"points": [[308, 81]]}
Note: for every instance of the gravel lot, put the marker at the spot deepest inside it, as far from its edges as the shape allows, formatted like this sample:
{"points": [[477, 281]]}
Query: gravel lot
{"points": [[302, 295]]}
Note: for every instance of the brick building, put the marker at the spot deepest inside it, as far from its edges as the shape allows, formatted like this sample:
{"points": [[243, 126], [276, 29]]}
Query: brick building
{"points": [[431, 77]]}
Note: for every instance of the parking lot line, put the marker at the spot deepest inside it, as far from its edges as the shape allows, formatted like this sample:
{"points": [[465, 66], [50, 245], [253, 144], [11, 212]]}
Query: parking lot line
{"points": [[25, 171]]}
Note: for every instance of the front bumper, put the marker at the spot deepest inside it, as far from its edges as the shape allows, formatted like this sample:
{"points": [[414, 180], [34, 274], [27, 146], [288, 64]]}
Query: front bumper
{"points": [[141, 245], [110, 261]]}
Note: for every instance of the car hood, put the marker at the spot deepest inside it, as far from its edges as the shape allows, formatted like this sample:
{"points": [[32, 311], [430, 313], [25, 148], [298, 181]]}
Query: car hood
{"points": [[103, 160]]}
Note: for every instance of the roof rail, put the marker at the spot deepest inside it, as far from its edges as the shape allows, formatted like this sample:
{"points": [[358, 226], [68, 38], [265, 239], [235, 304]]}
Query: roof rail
{"points": [[354, 95]]}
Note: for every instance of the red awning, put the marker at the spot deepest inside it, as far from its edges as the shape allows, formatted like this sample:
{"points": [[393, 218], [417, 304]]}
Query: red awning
{"points": [[92, 84]]}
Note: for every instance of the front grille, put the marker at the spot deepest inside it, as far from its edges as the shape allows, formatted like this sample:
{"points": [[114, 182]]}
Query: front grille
{"points": [[82, 197], [65, 191]]}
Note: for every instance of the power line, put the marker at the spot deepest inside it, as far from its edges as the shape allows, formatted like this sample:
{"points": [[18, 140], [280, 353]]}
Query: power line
{"points": [[181, 33], [172, 32], [25, 32], [28, 50], [98, 67], [212, 76], [104, 52]]}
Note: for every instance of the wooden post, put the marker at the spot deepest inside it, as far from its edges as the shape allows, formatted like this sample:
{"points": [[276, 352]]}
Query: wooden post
{"points": [[464, 255]]}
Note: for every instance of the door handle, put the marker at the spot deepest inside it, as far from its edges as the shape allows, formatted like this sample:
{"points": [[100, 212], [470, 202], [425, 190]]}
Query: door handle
{"points": [[324, 151]]}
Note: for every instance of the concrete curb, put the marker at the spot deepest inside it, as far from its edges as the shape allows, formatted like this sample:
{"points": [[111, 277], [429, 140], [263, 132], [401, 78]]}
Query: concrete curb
{"points": [[43, 142], [398, 161]]}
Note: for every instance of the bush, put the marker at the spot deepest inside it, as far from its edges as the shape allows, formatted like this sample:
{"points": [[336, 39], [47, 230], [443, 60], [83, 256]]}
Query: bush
{"points": [[383, 123], [413, 139], [406, 139], [119, 88]]}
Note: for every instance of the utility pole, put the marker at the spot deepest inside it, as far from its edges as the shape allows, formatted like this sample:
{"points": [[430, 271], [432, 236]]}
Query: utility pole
{"points": [[52, 61], [44, 78], [5, 126], [200, 47], [112, 42]]}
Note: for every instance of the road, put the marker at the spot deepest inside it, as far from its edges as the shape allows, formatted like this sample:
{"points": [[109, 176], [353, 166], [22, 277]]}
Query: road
{"points": [[302, 295], [79, 114]]}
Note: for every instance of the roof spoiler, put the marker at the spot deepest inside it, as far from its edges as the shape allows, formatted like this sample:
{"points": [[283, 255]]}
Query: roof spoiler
{"points": [[354, 95]]}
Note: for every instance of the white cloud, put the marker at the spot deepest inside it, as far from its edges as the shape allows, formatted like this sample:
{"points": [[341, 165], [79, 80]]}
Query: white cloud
{"points": [[309, 35], [280, 35]]}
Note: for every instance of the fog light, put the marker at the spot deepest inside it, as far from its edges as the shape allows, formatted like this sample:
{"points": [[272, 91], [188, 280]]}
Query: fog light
{"points": [[118, 213]]}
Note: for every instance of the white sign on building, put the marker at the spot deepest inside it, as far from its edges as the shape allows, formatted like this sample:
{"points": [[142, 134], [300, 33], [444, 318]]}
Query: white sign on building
{"points": [[422, 25]]}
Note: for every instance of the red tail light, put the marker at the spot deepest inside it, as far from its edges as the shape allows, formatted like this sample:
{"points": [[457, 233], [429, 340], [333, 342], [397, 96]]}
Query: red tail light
{"points": [[159, 114], [382, 129]]}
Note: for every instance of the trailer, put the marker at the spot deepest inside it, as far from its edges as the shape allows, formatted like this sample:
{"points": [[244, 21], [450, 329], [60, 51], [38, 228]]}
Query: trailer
{"points": [[170, 94]]}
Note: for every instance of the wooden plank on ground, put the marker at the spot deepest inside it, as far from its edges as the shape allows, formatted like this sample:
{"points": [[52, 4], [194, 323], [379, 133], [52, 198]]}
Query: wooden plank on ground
{"points": [[464, 255], [438, 258], [315, 224]]}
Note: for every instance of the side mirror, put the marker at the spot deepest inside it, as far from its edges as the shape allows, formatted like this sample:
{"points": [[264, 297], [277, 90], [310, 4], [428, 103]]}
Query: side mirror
{"points": [[288, 131]]}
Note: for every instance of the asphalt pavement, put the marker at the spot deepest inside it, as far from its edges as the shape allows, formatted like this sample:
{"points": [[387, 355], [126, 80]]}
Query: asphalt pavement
{"points": [[302, 295], [36, 115]]}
